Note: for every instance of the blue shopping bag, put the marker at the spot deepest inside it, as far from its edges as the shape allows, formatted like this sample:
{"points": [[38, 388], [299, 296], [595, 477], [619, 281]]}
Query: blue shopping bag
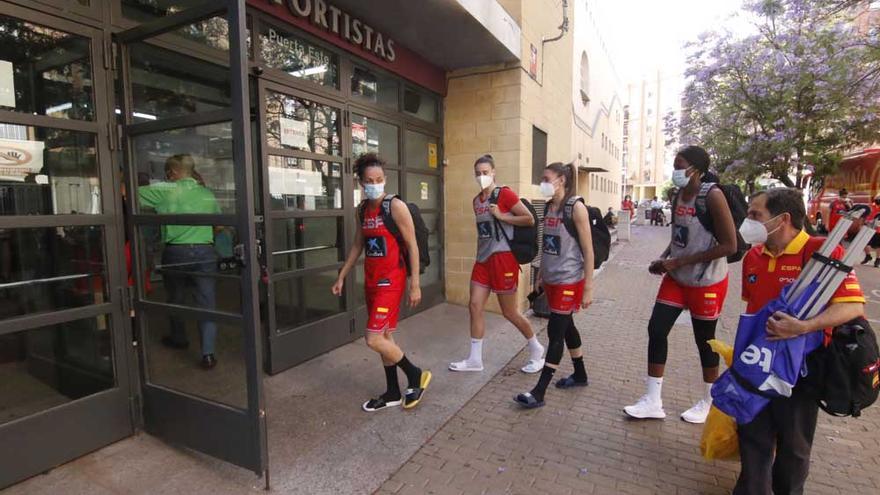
{"points": [[763, 369]]}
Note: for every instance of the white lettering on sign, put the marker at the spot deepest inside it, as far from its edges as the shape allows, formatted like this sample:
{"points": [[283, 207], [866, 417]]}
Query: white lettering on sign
{"points": [[755, 355], [327, 16]]}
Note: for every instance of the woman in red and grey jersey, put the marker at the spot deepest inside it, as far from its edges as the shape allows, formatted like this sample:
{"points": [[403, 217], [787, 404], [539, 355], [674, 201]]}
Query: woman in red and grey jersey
{"points": [[496, 269], [567, 277], [385, 282]]}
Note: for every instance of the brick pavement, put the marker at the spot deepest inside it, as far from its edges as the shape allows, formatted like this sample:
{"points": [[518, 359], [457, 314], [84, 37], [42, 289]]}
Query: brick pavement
{"points": [[581, 442]]}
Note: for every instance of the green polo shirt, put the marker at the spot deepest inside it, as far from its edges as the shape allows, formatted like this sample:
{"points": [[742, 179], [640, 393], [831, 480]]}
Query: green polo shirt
{"points": [[184, 196]]}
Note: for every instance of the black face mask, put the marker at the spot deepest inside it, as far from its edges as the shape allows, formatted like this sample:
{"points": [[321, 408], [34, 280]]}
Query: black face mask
{"points": [[877, 202]]}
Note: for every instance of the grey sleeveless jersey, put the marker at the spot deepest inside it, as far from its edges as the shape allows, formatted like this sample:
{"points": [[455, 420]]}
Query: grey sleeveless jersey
{"points": [[562, 261], [490, 240], [690, 237]]}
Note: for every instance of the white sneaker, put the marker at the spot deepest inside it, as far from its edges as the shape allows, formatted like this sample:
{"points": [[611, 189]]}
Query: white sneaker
{"points": [[646, 408], [533, 366], [698, 413], [465, 366]]}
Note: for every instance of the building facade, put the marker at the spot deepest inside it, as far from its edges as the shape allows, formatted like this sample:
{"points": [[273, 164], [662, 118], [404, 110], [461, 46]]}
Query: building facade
{"points": [[647, 155], [260, 106]]}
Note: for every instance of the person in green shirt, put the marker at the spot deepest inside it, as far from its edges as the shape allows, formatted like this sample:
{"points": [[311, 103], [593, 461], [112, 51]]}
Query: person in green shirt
{"points": [[188, 258]]}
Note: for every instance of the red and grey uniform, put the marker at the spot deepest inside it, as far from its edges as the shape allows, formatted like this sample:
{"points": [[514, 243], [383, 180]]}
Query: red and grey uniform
{"points": [[873, 220], [562, 265], [495, 266], [384, 271], [700, 288]]}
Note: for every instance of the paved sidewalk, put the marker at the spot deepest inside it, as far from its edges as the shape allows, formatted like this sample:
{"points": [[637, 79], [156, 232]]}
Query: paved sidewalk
{"points": [[581, 441]]}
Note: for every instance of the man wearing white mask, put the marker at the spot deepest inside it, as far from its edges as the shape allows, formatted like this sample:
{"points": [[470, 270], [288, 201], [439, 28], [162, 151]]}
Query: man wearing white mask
{"points": [[385, 275], [694, 269], [495, 268]]}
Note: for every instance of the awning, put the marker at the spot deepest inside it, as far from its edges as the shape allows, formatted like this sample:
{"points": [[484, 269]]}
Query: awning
{"points": [[451, 34]]}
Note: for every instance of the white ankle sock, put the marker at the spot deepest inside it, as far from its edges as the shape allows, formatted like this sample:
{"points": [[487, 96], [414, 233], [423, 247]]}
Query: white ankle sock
{"points": [[476, 355], [708, 396], [536, 350], [654, 385]]}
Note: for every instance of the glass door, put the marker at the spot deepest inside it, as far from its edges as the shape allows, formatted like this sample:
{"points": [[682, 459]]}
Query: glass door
{"points": [[65, 345], [307, 195], [192, 229]]}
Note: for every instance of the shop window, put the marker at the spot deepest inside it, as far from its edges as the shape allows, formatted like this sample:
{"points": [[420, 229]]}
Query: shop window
{"points": [[300, 124], [299, 184], [539, 154], [420, 105], [421, 151], [297, 57], [375, 88], [53, 172], [44, 71], [213, 32], [168, 84], [371, 135]]}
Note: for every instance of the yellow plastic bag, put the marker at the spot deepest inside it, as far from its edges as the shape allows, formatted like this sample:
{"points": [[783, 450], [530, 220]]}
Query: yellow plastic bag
{"points": [[719, 440]]}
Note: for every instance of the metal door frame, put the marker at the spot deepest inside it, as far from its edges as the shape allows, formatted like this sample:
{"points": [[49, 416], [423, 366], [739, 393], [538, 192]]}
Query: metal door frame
{"points": [[234, 435], [38, 443], [283, 353]]}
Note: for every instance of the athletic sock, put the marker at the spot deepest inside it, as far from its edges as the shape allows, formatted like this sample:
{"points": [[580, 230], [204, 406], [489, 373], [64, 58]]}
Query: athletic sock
{"points": [[708, 396], [655, 385], [392, 392], [413, 373], [536, 350], [543, 381], [476, 355], [580, 373]]}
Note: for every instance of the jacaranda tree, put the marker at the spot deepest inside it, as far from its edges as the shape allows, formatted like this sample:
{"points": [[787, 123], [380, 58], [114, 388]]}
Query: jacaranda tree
{"points": [[799, 91]]}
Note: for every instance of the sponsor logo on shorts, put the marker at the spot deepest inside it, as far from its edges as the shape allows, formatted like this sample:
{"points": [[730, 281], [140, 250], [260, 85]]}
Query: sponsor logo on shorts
{"points": [[568, 293], [384, 283], [381, 310], [508, 274], [753, 278], [711, 295]]}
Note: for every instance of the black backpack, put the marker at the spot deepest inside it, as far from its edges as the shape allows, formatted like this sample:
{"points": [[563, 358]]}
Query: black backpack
{"points": [[736, 201], [598, 229], [420, 228], [538, 303], [843, 377], [524, 242]]}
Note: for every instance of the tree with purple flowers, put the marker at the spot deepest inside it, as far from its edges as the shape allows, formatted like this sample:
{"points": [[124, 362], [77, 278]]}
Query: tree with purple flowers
{"points": [[799, 92]]}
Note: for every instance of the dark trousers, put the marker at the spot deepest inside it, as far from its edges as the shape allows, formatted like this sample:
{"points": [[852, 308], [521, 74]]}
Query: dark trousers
{"points": [[189, 269], [788, 425]]}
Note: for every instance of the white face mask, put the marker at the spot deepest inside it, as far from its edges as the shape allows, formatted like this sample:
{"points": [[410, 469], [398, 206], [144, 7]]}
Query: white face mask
{"points": [[680, 178], [547, 189], [374, 191], [755, 232], [484, 181]]}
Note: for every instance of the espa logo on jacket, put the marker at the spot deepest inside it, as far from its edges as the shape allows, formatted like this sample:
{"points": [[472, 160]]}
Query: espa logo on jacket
{"points": [[757, 355]]}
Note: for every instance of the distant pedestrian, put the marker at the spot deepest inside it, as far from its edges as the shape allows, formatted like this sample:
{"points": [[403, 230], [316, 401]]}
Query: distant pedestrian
{"points": [[656, 211], [628, 205], [610, 218], [838, 208], [566, 274], [694, 269], [873, 220], [385, 282], [496, 269]]}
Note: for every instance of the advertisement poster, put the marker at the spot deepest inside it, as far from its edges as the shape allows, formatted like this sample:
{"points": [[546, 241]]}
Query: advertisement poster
{"points": [[19, 158], [294, 133], [424, 187]]}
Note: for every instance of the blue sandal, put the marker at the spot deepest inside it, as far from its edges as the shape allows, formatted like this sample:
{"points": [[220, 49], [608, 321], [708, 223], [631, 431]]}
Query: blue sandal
{"points": [[570, 382], [528, 401]]}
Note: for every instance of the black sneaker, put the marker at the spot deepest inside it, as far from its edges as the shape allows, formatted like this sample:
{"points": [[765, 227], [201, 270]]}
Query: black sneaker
{"points": [[380, 403], [877, 263], [868, 259]]}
